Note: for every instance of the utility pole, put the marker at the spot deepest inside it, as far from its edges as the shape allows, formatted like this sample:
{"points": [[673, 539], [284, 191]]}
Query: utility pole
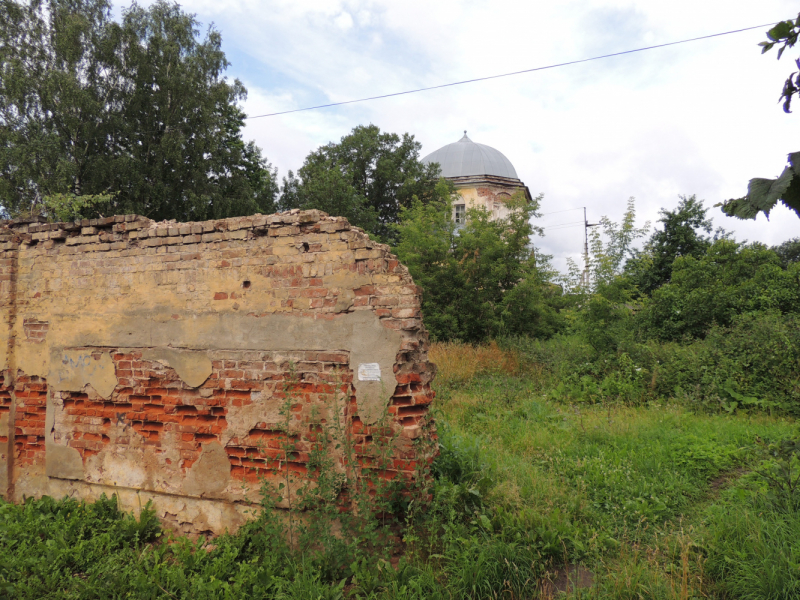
{"points": [[586, 225]]}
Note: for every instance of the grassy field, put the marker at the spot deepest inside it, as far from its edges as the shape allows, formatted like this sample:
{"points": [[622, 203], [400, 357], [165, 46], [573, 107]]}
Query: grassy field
{"points": [[657, 500], [644, 496]]}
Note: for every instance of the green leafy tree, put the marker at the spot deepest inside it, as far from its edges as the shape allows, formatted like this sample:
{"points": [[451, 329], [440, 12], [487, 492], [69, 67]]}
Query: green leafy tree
{"points": [[137, 112], [728, 280], [480, 280], [681, 234], [609, 247], [763, 194], [329, 190], [788, 252], [368, 177]]}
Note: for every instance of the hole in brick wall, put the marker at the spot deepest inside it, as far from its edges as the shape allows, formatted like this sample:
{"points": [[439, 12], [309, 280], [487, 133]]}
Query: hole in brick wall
{"points": [[305, 246], [246, 283]]}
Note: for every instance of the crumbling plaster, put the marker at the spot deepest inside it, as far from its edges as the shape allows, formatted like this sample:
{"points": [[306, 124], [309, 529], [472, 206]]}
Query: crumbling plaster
{"points": [[264, 291]]}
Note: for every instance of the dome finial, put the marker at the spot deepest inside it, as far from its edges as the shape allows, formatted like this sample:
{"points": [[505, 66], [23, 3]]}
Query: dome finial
{"points": [[465, 138]]}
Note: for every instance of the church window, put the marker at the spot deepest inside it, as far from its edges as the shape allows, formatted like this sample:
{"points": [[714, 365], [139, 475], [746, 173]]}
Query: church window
{"points": [[460, 216]]}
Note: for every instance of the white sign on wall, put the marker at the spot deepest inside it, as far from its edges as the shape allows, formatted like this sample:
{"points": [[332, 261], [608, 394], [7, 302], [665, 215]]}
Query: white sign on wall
{"points": [[369, 372]]}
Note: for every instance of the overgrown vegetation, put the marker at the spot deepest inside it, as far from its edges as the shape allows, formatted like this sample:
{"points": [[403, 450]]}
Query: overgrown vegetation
{"points": [[653, 497], [632, 424], [481, 280], [635, 433]]}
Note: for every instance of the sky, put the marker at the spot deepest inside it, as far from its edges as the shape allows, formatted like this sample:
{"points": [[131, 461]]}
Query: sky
{"points": [[698, 118]]}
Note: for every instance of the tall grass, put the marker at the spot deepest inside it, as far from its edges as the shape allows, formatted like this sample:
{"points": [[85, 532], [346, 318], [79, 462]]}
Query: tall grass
{"points": [[612, 481], [532, 480], [754, 550], [459, 363]]}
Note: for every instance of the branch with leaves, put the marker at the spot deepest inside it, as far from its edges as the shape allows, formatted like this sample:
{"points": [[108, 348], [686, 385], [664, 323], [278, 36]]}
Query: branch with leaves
{"points": [[786, 32], [763, 194]]}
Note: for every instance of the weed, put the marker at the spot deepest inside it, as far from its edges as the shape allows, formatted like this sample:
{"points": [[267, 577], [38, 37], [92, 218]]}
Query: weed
{"points": [[527, 481]]}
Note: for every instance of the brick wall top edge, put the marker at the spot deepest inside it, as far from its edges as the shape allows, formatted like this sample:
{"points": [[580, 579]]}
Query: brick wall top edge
{"points": [[32, 225]]}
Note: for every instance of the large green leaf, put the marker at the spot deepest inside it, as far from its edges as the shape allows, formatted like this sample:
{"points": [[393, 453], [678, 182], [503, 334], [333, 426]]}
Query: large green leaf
{"points": [[780, 31], [791, 197], [794, 160], [763, 194]]}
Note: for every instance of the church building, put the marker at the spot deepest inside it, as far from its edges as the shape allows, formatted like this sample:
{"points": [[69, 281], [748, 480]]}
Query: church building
{"points": [[482, 176]]}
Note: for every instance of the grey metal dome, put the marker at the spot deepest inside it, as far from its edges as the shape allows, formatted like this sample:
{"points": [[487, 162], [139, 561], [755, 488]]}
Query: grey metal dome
{"points": [[465, 158]]}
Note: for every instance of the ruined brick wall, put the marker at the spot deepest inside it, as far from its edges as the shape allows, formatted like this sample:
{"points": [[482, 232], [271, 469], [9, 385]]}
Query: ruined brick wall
{"points": [[187, 362]]}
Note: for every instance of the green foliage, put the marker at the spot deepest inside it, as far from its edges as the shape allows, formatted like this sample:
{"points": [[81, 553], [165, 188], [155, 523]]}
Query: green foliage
{"points": [[463, 475], [681, 235], [752, 551], [750, 365], [786, 32], [720, 332], [609, 247], [764, 194], [782, 474], [788, 252], [48, 546], [605, 321], [752, 533], [328, 189], [480, 280], [607, 480], [368, 177], [69, 207], [138, 110], [730, 279]]}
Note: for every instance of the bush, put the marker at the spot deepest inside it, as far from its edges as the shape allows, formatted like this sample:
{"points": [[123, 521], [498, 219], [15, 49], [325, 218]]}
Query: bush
{"points": [[483, 279], [729, 280], [753, 364], [561, 355]]}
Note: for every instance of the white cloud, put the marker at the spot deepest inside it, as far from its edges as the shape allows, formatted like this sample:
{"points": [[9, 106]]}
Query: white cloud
{"points": [[364, 18], [344, 21], [696, 118]]}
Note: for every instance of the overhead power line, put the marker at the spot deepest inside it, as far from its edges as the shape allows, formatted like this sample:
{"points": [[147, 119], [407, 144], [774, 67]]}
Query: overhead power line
{"points": [[551, 229], [560, 224], [488, 77], [425, 89], [555, 212]]}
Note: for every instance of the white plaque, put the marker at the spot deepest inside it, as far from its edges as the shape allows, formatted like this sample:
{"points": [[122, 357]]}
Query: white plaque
{"points": [[369, 372]]}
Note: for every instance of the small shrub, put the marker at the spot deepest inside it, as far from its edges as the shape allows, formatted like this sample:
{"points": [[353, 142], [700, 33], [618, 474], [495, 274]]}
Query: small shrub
{"points": [[463, 476], [753, 364], [781, 472], [559, 356]]}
